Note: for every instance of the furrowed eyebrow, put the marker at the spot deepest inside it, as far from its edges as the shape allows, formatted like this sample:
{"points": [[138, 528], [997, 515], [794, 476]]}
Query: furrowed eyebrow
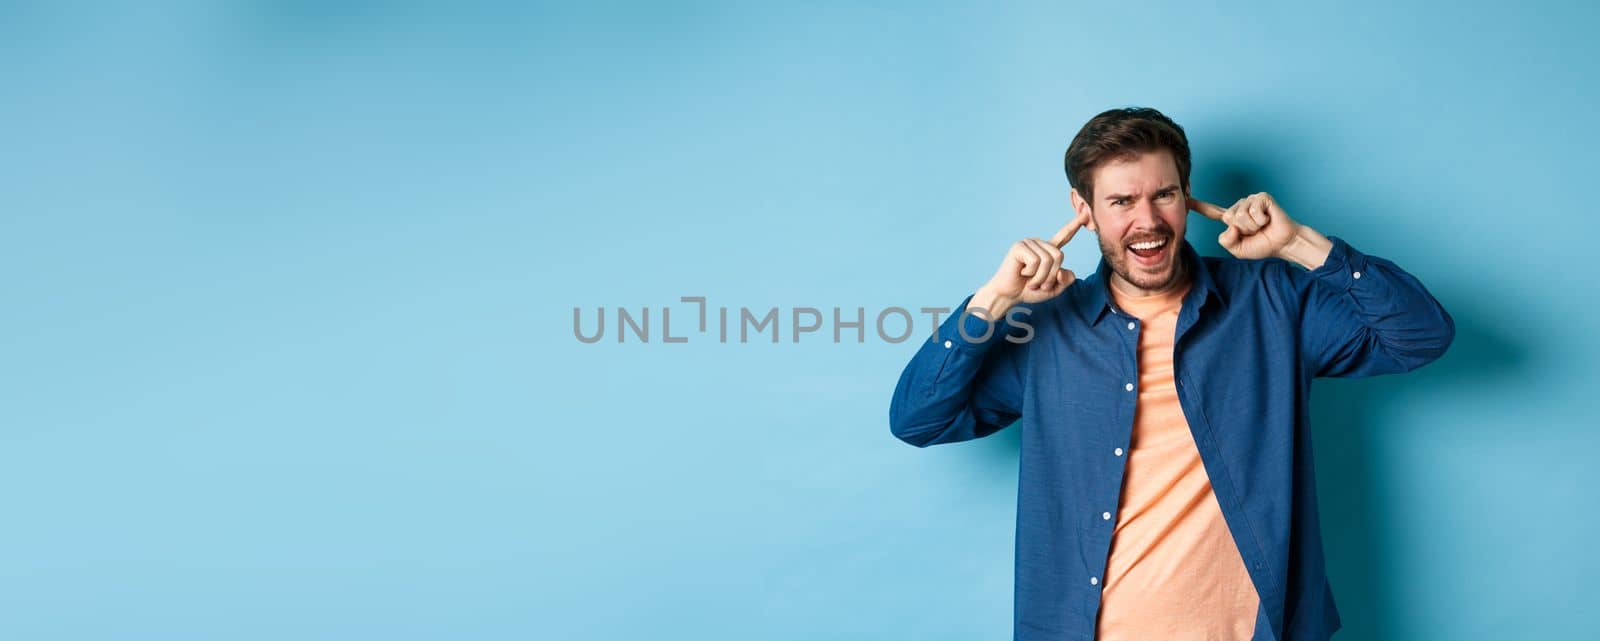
{"points": [[1158, 192]]}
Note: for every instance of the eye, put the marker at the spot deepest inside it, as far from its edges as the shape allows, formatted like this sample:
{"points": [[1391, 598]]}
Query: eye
{"points": [[1120, 202], [1165, 195]]}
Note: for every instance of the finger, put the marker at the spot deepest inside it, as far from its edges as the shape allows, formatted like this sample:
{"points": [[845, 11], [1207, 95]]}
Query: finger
{"points": [[1258, 210], [1228, 238], [1024, 254], [1053, 251], [1069, 230], [1274, 210], [1041, 270], [1245, 219], [1061, 281], [1050, 251], [1047, 265], [1227, 215], [1068, 278], [1238, 217], [1055, 257], [1206, 209]]}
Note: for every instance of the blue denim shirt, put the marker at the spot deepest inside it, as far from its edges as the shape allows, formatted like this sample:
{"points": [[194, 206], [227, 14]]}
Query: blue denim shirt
{"points": [[1250, 337]]}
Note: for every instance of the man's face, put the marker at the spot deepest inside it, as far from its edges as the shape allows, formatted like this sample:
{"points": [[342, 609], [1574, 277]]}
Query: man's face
{"points": [[1139, 213]]}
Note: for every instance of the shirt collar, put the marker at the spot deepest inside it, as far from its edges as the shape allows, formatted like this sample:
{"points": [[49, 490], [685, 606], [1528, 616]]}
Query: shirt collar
{"points": [[1096, 302]]}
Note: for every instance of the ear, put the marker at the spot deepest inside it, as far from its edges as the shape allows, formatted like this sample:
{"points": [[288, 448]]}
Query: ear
{"points": [[1081, 206]]}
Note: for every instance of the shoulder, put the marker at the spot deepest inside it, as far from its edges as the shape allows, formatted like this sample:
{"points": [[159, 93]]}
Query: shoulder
{"points": [[1272, 283], [1078, 301]]}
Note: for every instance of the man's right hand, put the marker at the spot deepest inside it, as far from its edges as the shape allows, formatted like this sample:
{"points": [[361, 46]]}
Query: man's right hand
{"points": [[1030, 273]]}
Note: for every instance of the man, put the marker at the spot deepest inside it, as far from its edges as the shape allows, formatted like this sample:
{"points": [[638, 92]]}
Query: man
{"points": [[1166, 489]]}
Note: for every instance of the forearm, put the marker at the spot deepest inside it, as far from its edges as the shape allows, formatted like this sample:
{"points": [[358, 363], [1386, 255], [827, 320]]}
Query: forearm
{"points": [[963, 384], [989, 305], [1308, 249]]}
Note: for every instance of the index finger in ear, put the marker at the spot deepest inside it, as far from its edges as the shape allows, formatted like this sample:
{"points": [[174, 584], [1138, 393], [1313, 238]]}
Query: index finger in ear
{"points": [[1068, 231], [1206, 209]]}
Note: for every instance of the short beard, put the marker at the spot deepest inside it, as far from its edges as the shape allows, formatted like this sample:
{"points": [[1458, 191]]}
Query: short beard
{"points": [[1116, 256]]}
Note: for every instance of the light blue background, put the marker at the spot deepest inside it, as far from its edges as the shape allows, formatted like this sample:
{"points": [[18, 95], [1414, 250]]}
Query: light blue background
{"points": [[288, 292]]}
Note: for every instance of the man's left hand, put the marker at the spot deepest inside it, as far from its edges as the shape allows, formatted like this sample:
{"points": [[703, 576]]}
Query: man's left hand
{"points": [[1259, 228]]}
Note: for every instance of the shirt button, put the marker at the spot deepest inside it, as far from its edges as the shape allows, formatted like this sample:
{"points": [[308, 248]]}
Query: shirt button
{"points": [[1118, 451], [1128, 387], [1094, 580], [1106, 516], [947, 344], [1130, 325], [1356, 275]]}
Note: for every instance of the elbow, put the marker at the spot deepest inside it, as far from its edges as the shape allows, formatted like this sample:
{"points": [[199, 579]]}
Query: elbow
{"points": [[913, 417], [918, 420], [1443, 335], [1447, 333], [903, 425], [915, 439], [1431, 344]]}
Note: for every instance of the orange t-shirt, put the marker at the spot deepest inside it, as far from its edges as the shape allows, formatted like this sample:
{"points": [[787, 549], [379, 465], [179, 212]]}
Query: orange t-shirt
{"points": [[1174, 571]]}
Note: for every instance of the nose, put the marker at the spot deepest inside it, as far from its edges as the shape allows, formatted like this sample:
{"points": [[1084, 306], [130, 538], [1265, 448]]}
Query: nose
{"points": [[1144, 216]]}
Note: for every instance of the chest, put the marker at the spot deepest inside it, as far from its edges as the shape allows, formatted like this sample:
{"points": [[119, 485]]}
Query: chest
{"points": [[1239, 365]]}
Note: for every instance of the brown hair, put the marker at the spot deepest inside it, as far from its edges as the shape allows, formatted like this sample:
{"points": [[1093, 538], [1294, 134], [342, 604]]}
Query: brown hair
{"points": [[1123, 133]]}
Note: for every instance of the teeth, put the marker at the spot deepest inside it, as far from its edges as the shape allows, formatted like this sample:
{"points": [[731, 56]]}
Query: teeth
{"points": [[1149, 244]]}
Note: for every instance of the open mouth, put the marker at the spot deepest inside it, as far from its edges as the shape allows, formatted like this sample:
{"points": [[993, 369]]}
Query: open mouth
{"points": [[1150, 252]]}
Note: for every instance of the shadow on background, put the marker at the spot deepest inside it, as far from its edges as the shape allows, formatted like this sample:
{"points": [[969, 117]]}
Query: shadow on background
{"points": [[1348, 416]]}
